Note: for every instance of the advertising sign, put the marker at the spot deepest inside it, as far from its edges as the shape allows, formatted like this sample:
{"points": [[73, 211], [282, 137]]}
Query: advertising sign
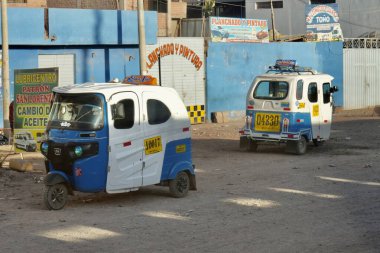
{"points": [[322, 23], [32, 96], [239, 30]]}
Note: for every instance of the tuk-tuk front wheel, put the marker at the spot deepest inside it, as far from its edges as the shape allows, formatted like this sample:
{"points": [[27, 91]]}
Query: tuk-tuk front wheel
{"points": [[179, 187], [55, 196]]}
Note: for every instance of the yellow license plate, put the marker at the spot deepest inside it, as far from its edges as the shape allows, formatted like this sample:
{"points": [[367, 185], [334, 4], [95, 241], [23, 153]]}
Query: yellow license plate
{"points": [[267, 122], [153, 145]]}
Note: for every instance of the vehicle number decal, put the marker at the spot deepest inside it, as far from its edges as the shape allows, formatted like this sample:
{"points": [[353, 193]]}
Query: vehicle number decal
{"points": [[315, 110], [267, 122], [180, 148], [153, 145]]}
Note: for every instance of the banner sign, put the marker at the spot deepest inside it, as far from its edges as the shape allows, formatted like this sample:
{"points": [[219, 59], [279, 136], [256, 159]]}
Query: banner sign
{"points": [[322, 23], [32, 97], [238, 30]]}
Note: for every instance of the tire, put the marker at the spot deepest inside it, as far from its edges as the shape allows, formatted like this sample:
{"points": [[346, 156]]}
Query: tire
{"points": [[301, 146], [55, 196], [252, 146], [179, 187]]}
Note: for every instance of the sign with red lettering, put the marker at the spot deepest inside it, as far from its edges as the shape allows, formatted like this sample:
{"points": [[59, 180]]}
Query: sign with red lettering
{"points": [[174, 49], [32, 96], [322, 23], [239, 30]]}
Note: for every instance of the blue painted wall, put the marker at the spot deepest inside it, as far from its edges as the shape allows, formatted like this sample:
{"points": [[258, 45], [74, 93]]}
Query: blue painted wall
{"points": [[231, 68], [98, 64], [78, 27], [104, 42], [92, 64]]}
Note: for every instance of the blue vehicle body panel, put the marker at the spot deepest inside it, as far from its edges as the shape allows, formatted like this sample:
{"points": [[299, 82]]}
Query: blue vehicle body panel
{"points": [[175, 160], [89, 174], [303, 127]]}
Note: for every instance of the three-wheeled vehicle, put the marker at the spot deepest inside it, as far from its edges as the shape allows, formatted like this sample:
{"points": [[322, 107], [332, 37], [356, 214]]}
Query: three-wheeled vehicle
{"points": [[116, 137], [288, 104]]}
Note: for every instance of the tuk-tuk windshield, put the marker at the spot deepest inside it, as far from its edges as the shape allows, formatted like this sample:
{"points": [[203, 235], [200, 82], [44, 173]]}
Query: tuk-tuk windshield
{"points": [[271, 90], [76, 112]]}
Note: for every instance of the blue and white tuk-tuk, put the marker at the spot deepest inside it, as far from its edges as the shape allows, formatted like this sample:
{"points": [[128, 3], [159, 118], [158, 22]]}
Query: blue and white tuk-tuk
{"points": [[288, 104], [116, 137]]}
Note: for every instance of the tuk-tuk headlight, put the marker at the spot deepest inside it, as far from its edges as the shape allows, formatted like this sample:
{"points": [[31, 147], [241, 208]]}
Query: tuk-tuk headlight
{"points": [[45, 147], [78, 150]]}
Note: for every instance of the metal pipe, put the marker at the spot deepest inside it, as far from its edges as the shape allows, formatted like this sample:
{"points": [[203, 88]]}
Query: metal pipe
{"points": [[5, 67], [142, 46]]}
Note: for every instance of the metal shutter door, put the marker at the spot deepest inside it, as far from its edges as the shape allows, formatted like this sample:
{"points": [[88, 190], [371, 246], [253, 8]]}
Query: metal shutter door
{"points": [[65, 63]]}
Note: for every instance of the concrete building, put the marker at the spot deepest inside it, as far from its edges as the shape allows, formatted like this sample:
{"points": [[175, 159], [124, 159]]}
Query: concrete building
{"points": [[356, 17]]}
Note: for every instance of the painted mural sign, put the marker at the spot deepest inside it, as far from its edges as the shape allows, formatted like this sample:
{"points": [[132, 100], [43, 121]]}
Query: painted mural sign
{"points": [[174, 49], [239, 30], [179, 63], [322, 23], [32, 97]]}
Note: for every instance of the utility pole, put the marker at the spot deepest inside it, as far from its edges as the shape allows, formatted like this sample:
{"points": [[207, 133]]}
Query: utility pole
{"points": [[122, 5], [169, 18], [272, 17], [140, 8], [5, 67]]}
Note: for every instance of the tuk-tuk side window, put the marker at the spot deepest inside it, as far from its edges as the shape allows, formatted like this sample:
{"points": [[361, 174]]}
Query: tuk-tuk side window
{"points": [[299, 92], [273, 90], [125, 114], [158, 112], [326, 93], [312, 92]]}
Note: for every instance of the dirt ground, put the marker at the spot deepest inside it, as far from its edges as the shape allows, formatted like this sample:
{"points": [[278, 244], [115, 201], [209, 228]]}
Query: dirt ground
{"points": [[325, 201]]}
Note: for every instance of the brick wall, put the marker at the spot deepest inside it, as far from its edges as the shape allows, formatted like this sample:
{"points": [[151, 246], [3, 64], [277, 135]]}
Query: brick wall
{"points": [[23, 3], [161, 23], [84, 4], [179, 9]]}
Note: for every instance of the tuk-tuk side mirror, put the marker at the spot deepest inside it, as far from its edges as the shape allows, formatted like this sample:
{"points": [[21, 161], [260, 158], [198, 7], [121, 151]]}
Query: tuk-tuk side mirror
{"points": [[118, 111], [333, 89]]}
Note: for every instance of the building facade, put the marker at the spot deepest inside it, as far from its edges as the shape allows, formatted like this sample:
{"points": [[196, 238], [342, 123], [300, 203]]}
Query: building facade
{"points": [[356, 17], [86, 45]]}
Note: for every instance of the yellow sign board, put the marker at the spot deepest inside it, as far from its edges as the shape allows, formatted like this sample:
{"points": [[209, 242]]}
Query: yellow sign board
{"points": [[153, 145], [267, 122], [315, 110], [180, 148]]}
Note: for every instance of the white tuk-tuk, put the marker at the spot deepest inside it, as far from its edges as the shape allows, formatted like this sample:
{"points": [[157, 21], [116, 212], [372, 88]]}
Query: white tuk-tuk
{"points": [[288, 104], [116, 137]]}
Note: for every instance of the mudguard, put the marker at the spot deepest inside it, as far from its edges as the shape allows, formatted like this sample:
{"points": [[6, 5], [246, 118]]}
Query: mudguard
{"points": [[57, 178], [185, 166]]}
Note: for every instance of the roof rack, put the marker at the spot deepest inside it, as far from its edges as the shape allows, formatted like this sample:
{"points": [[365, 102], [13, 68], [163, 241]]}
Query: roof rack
{"points": [[289, 66]]}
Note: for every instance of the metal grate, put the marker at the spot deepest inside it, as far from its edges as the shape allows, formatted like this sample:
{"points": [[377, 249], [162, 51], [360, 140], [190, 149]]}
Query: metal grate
{"points": [[362, 43]]}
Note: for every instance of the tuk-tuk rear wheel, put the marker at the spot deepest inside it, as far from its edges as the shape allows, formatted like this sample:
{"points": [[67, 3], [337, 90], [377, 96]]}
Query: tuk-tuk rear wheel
{"points": [[55, 196], [301, 146], [252, 146], [179, 187]]}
